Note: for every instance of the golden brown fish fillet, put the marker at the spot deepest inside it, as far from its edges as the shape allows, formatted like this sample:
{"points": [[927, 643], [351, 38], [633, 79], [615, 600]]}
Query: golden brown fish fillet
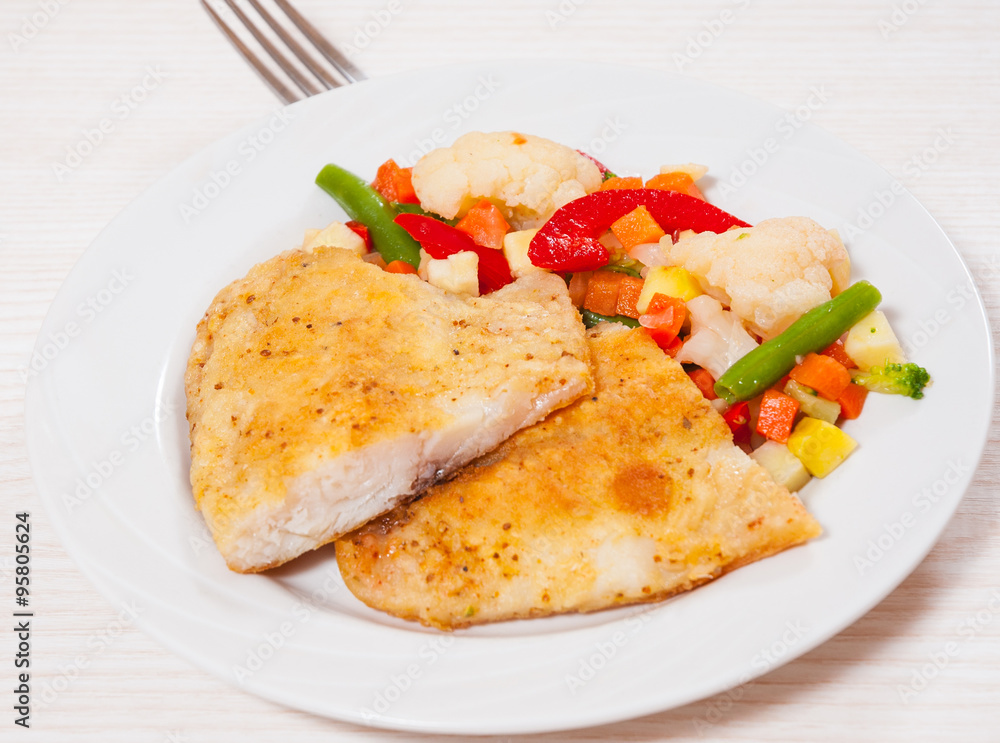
{"points": [[629, 495], [323, 391]]}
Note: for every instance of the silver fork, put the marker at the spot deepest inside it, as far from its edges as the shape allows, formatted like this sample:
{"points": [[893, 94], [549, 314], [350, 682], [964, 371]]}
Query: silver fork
{"points": [[308, 74]]}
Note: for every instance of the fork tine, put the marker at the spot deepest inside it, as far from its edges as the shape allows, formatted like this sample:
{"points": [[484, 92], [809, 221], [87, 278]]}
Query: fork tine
{"points": [[303, 56], [307, 85], [286, 94], [346, 68]]}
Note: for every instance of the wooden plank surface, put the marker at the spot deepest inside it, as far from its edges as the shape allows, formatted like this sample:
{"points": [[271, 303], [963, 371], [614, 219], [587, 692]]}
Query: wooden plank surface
{"points": [[896, 74]]}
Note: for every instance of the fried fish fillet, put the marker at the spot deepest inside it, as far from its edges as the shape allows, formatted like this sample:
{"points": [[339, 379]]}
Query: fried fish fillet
{"points": [[629, 495], [323, 391]]}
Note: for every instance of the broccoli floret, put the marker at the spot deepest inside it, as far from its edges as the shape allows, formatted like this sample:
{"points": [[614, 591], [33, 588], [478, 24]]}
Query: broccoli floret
{"points": [[895, 379]]}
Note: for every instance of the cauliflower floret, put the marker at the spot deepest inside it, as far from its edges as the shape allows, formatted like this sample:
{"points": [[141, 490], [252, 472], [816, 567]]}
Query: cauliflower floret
{"points": [[527, 177], [770, 274], [718, 339]]}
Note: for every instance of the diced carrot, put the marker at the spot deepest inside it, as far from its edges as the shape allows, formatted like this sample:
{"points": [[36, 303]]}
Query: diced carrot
{"points": [[824, 374], [637, 227], [399, 267], [395, 183], [617, 182], [705, 382], [375, 258], [777, 415], [361, 231], [628, 296], [578, 287], [663, 319], [673, 348], [602, 292], [485, 224], [852, 401], [681, 182], [837, 351]]}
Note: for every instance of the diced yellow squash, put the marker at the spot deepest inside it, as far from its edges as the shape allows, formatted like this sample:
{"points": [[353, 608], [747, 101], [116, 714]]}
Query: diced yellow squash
{"points": [[674, 281], [515, 250], [458, 273], [871, 342], [820, 446], [783, 466]]}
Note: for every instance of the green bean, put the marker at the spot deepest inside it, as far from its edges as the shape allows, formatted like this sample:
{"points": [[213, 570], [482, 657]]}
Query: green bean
{"points": [[814, 331], [364, 204], [590, 319]]}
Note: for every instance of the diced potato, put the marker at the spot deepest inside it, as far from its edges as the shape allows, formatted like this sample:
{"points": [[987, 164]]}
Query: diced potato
{"points": [[674, 281], [458, 273], [871, 342], [784, 467], [694, 170], [820, 446], [515, 250], [811, 404], [334, 235]]}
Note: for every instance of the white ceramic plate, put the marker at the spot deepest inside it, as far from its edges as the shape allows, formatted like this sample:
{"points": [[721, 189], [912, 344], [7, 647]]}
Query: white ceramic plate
{"points": [[108, 439]]}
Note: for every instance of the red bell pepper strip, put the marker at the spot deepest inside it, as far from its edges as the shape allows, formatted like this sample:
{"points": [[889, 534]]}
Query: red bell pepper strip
{"points": [[441, 240], [605, 172], [568, 241], [737, 416]]}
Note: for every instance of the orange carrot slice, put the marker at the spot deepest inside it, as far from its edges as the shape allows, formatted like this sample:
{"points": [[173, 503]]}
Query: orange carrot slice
{"points": [[824, 374]]}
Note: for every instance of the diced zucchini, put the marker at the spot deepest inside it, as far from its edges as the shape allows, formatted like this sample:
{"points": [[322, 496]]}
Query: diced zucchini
{"points": [[820, 446], [673, 281], [812, 404], [871, 342], [783, 466]]}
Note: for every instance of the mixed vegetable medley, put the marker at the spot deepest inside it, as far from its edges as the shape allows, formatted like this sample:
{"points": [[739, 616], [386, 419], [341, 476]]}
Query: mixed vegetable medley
{"points": [[764, 318]]}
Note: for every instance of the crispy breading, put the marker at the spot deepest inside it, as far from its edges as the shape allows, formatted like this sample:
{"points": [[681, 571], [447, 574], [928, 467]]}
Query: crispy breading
{"points": [[632, 494], [323, 391]]}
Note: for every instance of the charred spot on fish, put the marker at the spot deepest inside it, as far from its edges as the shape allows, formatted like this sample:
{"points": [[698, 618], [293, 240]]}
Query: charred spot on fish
{"points": [[506, 527], [755, 523], [296, 319], [643, 489], [686, 423], [250, 299], [218, 385], [455, 351]]}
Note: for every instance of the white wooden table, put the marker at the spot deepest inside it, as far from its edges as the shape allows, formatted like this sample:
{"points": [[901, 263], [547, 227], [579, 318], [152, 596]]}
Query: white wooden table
{"points": [[915, 84]]}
